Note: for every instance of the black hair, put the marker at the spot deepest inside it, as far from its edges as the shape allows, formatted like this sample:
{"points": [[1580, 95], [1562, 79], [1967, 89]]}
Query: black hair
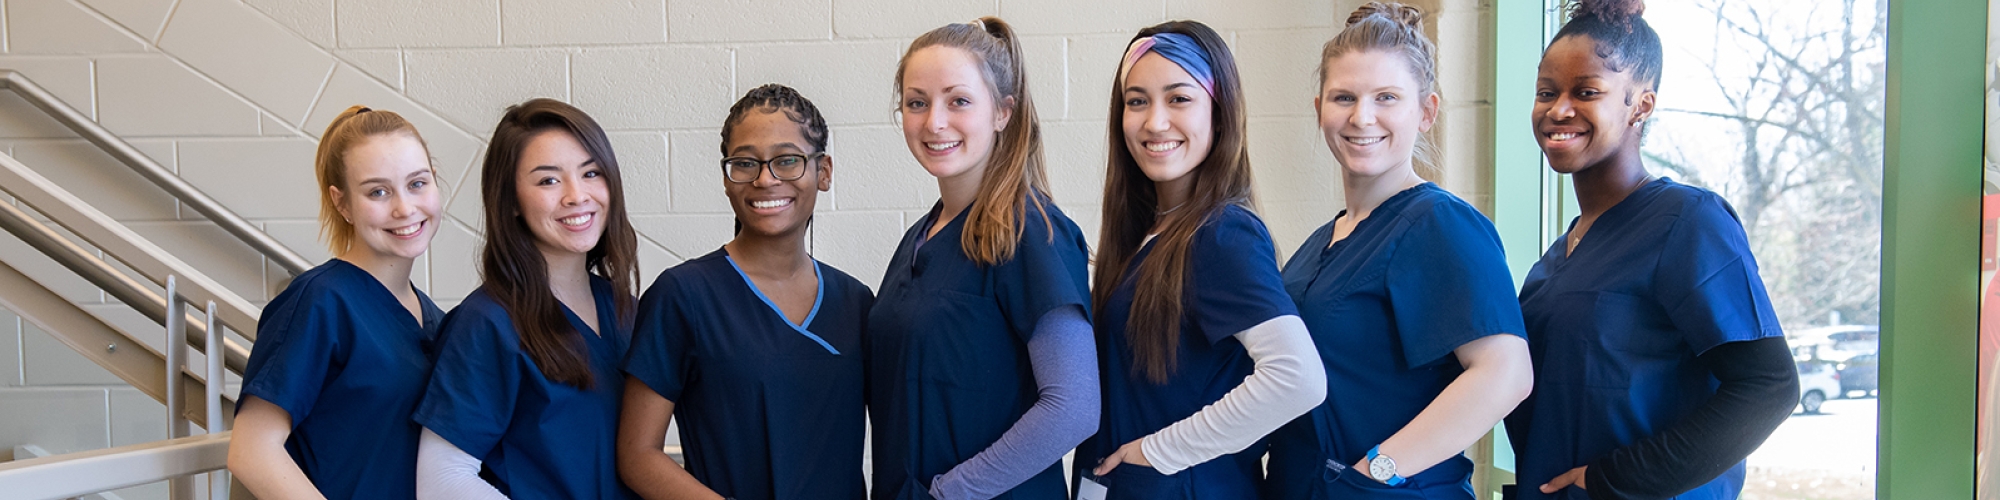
{"points": [[1623, 38], [777, 97]]}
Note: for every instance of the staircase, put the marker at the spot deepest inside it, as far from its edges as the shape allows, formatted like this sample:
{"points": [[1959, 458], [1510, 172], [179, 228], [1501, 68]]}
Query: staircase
{"points": [[188, 315]]}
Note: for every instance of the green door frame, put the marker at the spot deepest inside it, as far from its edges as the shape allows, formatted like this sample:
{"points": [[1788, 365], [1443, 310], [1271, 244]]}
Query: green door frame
{"points": [[1930, 248], [1520, 184], [1931, 225]]}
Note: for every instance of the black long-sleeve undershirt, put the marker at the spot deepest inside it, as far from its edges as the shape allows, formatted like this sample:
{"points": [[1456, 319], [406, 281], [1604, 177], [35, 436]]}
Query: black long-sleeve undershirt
{"points": [[1759, 387]]}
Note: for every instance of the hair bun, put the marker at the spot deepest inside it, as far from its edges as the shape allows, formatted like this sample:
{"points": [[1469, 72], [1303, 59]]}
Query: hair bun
{"points": [[1616, 12], [994, 26], [1407, 15]]}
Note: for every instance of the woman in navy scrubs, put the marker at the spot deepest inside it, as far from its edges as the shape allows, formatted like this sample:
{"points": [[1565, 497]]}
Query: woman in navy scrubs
{"points": [[1202, 352], [1659, 362], [524, 400], [1406, 291], [756, 347], [979, 351], [342, 354]]}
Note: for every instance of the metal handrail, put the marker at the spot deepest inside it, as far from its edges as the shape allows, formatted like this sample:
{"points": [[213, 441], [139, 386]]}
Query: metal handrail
{"points": [[151, 170], [100, 273], [83, 473], [92, 226]]}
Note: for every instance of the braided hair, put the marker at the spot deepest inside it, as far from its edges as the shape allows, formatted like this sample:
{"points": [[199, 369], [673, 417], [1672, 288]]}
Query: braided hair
{"points": [[777, 97]]}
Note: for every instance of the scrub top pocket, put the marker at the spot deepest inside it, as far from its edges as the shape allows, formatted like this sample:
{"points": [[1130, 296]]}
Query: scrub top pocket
{"points": [[1137, 482], [970, 357]]}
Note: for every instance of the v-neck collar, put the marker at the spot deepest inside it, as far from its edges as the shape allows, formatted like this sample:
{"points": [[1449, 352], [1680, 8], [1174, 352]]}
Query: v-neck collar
{"points": [[819, 296], [1616, 217], [924, 236], [1392, 203], [596, 301], [382, 289]]}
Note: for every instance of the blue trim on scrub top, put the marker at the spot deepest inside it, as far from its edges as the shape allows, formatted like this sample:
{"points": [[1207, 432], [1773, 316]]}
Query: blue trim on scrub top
{"points": [[818, 296]]}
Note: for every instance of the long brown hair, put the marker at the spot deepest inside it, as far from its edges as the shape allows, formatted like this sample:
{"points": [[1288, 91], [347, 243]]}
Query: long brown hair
{"points": [[349, 129], [1130, 201], [513, 269], [1014, 170]]}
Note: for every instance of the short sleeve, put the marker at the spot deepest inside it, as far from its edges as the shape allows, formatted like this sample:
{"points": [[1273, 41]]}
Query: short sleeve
{"points": [[660, 347], [298, 347], [1049, 270], [478, 377], [1448, 283], [1707, 280], [1233, 283]]}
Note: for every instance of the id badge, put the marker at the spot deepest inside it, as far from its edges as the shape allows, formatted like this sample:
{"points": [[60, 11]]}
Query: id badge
{"points": [[1087, 489]]}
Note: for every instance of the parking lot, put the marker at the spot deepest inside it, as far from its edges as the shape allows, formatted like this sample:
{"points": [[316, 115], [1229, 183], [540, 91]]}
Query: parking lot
{"points": [[1829, 456]]}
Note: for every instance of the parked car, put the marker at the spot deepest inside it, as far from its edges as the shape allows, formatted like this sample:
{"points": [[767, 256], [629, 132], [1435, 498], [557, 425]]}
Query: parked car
{"points": [[1834, 343], [1858, 374], [1818, 381]]}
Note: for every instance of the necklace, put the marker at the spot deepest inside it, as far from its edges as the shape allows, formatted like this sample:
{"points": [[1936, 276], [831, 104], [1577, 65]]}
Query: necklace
{"points": [[1170, 210], [1576, 237]]}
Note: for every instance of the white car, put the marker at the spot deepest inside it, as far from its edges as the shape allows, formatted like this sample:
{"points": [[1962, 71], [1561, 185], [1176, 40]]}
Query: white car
{"points": [[1818, 381]]}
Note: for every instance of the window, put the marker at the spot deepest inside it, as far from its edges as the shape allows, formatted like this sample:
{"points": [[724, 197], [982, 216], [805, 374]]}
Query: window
{"points": [[1779, 107]]}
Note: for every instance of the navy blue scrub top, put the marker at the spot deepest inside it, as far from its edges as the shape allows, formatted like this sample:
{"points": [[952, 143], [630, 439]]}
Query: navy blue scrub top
{"points": [[537, 438], [338, 352], [1423, 275], [1613, 329], [1232, 285], [948, 348], [767, 409]]}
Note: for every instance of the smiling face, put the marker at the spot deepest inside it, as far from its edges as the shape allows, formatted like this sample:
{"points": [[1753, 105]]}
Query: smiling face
{"points": [[1586, 114], [1169, 121], [391, 196], [951, 118], [1373, 112], [768, 206], [562, 191]]}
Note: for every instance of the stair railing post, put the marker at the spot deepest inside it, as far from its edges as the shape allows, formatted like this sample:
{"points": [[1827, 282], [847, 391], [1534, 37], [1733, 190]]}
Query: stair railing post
{"points": [[176, 350]]}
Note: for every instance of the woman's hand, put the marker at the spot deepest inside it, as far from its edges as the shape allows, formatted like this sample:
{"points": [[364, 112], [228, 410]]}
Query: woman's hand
{"points": [[1572, 478], [1131, 453]]}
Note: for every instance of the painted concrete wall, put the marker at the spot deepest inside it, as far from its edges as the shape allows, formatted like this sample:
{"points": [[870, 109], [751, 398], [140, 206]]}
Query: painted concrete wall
{"points": [[231, 94]]}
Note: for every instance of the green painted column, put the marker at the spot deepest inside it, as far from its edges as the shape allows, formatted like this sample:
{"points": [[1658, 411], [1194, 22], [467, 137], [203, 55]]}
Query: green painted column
{"points": [[1519, 181], [1518, 176], [1930, 248]]}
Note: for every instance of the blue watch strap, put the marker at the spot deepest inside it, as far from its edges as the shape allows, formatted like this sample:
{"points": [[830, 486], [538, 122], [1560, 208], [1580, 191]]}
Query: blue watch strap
{"points": [[1394, 479]]}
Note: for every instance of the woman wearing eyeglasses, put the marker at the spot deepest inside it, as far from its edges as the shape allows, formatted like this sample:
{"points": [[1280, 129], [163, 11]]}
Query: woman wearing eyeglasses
{"points": [[755, 347]]}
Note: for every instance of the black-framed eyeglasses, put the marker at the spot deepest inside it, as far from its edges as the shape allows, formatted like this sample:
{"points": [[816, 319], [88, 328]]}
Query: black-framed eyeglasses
{"points": [[741, 169]]}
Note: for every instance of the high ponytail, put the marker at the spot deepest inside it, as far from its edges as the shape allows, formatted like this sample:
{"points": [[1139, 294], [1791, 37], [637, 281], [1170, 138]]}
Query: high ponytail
{"points": [[1015, 175], [1624, 40], [1397, 29], [347, 130]]}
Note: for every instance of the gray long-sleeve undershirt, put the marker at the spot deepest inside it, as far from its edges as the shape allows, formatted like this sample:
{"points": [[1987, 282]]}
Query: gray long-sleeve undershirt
{"points": [[1063, 355]]}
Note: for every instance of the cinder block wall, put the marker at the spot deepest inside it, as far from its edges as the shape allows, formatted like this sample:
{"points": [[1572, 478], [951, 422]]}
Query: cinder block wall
{"points": [[233, 93]]}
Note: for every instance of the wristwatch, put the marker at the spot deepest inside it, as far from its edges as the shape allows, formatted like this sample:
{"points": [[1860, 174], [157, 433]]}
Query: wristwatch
{"points": [[1383, 468]]}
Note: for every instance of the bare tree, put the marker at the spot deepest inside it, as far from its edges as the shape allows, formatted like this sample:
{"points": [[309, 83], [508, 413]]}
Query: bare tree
{"points": [[1803, 94]]}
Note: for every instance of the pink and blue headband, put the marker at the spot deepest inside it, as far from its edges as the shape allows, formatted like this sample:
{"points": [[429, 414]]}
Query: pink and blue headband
{"points": [[1176, 47]]}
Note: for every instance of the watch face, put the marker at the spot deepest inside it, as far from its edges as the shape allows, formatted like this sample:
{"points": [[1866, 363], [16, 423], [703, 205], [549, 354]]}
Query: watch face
{"points": [[1382, 468]]}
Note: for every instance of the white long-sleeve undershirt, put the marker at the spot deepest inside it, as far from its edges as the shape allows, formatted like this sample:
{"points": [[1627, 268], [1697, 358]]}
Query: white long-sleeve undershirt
{"points": [[446, 472], [1288, 381]]}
